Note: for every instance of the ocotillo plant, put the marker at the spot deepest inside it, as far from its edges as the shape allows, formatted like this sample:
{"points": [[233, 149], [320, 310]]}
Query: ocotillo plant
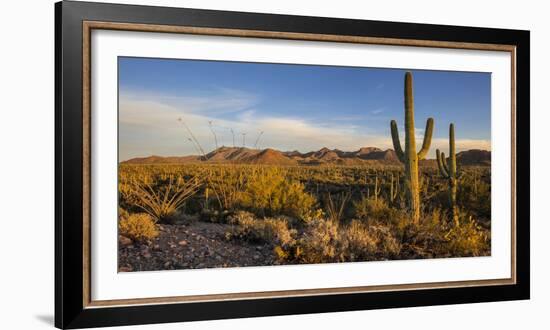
{"points": [[448, 171], [410, 157], [193, 138], [213, 133], [233, 135], [258, 139]]}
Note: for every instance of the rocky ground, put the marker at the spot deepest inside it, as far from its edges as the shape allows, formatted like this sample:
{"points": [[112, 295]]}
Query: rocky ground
{"points": [[189, 246]]}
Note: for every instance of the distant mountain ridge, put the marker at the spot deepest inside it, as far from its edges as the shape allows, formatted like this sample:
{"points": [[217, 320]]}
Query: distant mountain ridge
{"points": [[365, 155]]}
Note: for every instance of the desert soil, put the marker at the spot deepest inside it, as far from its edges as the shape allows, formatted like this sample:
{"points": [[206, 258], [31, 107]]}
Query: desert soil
{"points": [[189, 246]]}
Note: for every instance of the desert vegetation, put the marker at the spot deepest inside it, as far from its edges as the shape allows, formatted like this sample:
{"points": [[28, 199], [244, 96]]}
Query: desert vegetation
{"points": [[201, 213], [308, 214]]}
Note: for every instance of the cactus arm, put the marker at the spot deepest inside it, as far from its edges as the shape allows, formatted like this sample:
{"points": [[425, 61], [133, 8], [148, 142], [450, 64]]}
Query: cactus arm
{"points": [[444, 163], [427, 139], [396, 142], [440, 165]]}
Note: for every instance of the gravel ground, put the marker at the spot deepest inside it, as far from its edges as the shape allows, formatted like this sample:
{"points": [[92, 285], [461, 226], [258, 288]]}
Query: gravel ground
{"points": [[191, 246]]}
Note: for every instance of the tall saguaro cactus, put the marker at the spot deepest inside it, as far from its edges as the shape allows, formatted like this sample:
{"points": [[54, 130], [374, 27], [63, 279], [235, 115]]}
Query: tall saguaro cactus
{"points": [[410, 157], [448, 171]]}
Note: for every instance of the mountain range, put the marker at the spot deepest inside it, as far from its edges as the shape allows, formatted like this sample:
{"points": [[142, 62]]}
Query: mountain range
{"points": [[365, 155]]}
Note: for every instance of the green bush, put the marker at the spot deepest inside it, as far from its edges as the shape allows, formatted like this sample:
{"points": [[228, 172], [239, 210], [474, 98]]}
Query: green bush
{"points": [[138, 227], [268, 192]]}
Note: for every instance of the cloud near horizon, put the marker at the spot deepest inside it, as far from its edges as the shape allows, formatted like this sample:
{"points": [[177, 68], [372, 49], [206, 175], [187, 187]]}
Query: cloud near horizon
{"points": [[148, 125]]}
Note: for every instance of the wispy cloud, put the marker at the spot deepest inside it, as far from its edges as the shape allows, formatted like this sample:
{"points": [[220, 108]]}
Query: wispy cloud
{"points": [[217, 101], [149, 125]]}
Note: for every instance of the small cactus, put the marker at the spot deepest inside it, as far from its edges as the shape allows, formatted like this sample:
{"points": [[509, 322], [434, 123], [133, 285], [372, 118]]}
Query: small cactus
{"points": [[377, 188], [394, 187], [449, 172], [410, 157]]}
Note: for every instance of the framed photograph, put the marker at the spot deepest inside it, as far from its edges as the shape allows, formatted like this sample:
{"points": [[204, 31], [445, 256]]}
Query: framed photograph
{"points": [[215, 164]]}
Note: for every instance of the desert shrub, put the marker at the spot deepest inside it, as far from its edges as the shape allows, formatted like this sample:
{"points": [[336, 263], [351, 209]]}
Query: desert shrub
{"points": [[269, 230], [358, 241], [242, 218], [269, 192], [139, 227], [125, 196], [438, 237], [388, 245], [328, 241], [375, 210], [320, 242], [368, 242], [467, 239], [425, 238]]}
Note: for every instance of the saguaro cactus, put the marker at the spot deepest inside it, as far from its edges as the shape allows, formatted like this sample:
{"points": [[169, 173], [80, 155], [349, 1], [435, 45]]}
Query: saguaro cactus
{"points": [[448, 171], [410, 157]]}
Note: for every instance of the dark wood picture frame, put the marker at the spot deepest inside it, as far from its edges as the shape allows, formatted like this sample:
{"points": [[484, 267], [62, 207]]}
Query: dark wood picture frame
{"points": [[73, 24]]}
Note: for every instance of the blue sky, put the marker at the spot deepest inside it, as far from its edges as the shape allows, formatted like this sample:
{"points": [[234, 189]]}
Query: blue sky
{"points": [[298, 107]]}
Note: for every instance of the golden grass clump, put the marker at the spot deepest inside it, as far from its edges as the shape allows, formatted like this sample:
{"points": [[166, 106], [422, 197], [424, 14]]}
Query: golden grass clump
{"points": [[139, 227]]}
